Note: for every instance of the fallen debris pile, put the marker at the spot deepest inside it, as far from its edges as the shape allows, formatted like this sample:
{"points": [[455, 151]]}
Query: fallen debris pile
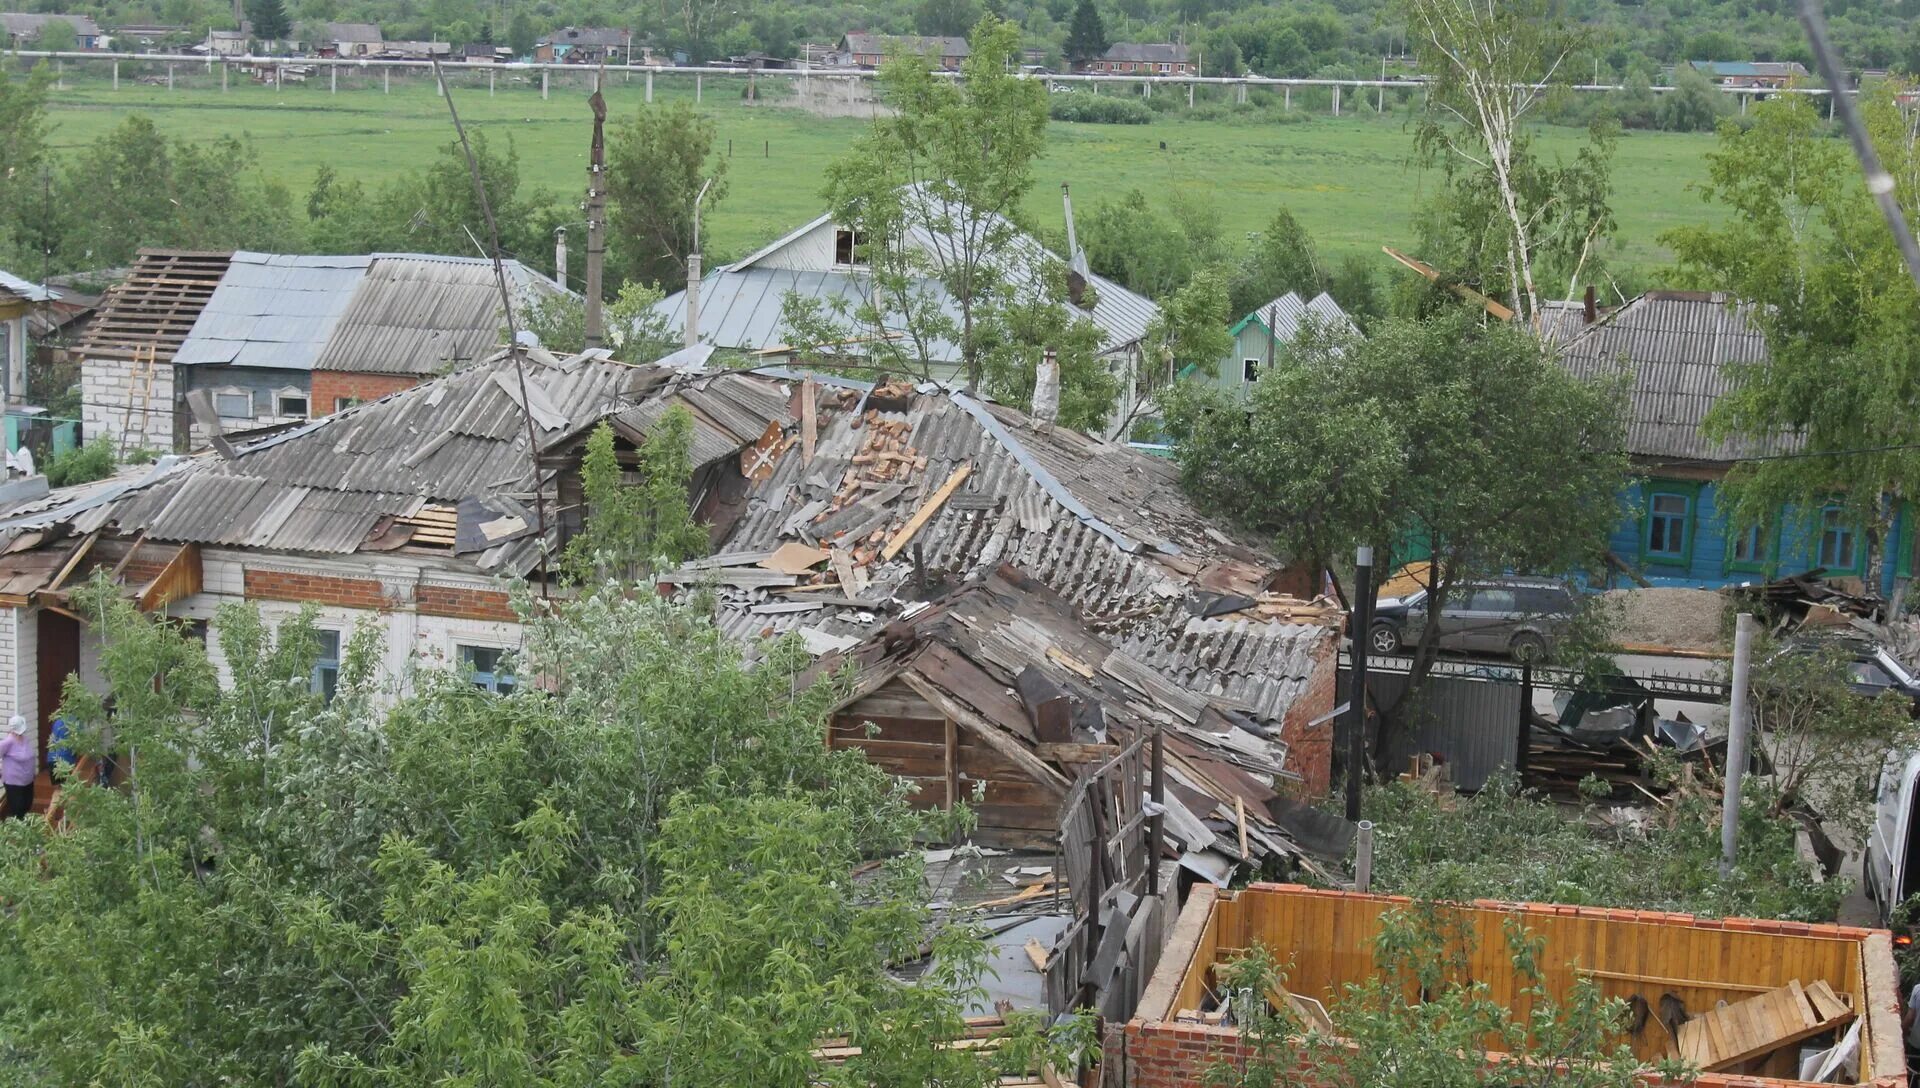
{"points": [[1812, 600]]}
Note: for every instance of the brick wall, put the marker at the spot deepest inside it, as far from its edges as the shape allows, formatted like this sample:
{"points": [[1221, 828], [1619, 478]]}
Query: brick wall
{"points": [[109, 386], [1310, 747], [274, 585], [476, 604], [330, 385]]}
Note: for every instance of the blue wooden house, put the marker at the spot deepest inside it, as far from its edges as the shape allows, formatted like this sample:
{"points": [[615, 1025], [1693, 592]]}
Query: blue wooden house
{"points": [[1676, 346]]}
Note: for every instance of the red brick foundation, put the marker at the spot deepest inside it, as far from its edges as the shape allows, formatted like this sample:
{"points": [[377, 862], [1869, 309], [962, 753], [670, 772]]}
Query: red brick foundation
{"points": [[330, 385]]}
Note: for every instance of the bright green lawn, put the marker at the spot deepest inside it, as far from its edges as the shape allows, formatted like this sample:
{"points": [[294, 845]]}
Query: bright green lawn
{"points": [[1347, 179]]}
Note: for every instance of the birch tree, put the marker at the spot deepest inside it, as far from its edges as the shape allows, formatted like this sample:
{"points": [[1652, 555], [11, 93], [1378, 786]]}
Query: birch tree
{"points": [[1492, 62]]}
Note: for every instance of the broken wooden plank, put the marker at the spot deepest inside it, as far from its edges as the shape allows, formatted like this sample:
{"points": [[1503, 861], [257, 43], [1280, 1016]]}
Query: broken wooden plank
{"points": [[791, 558], [1067, 661], [809, 422], [1076, 753], [1036, 954], [843, 569], [927, 510], [775, 608]]}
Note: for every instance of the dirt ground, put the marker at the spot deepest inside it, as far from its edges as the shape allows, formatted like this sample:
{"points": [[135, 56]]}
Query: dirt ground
{"points": [[1679, 619]]}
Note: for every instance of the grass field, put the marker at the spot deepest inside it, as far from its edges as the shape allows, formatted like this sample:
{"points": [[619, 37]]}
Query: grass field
{"points": [[1347, 179]]}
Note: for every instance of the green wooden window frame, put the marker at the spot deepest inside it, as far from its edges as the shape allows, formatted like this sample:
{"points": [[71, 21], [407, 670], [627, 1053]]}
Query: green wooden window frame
{"points": [[1688, 518], [1766, 535], [1856, 544]]}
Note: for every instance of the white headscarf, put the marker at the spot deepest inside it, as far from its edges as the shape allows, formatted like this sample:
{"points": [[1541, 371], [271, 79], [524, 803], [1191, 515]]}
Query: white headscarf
{"points": [[17, 725]]}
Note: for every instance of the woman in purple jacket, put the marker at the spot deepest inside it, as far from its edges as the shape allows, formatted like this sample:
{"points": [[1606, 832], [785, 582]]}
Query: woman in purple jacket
{"points": [[18, 767]]}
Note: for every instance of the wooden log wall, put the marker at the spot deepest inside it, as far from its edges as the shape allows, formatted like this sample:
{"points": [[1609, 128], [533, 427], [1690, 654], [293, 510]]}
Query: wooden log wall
{"points": [[909, 737]]}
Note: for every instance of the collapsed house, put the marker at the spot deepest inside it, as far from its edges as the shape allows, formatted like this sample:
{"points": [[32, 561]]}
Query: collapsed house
{"points": [[1735, 997]]}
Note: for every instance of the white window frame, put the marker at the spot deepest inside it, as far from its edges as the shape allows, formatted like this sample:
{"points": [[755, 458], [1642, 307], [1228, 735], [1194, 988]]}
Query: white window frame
{"points": [[855, 241], [1249, 370], [232, 391], [281, 396]]}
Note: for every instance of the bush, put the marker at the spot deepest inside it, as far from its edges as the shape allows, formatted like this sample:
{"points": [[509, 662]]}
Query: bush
{"points": [[82, 464], [1093, 109]]}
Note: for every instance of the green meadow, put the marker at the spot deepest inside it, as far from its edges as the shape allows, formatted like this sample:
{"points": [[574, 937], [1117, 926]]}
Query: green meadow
{"points": [[1348, 179]]}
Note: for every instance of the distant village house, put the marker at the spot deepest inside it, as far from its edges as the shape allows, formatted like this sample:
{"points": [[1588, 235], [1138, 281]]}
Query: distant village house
{"points": [[1135, 58], [859, 49], [1765, 74], [22, 30], [585, 45], [351, 40]]}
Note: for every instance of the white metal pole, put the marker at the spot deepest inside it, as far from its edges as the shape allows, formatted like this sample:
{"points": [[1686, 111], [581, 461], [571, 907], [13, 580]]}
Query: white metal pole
{"points": [[1739, 729], [1363, 858], [649, 88]]}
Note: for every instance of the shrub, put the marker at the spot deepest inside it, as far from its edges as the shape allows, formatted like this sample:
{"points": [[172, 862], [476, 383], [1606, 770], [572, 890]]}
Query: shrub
{"points": [[82, 464], [1093, 109]]}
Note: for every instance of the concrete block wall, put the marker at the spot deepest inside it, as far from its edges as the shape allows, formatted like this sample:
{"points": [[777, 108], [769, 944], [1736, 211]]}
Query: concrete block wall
{"points": [[109, 387]]}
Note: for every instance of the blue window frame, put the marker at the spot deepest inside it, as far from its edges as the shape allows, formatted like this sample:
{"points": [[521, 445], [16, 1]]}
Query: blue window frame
{"points": [[485, 668], [1838, 550], [326, 663], [1669, 526]]}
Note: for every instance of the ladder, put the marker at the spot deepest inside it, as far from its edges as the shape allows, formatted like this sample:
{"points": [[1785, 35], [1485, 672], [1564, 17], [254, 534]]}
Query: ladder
{"points": [[143, 377]]}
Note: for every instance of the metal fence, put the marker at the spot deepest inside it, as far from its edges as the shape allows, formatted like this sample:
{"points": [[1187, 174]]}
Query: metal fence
{"points": [[1471, 723]]}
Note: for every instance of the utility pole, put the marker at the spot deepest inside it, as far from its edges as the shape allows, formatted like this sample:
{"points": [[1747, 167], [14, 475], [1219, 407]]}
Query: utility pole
{"points": [[693, 271], [1738, 730], [1358, 630], [596, 217]]}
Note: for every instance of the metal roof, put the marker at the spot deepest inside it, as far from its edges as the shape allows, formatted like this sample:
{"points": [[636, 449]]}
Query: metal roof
{"points": [[422, 314], [23, 25], [740, 305], [24, 289], [272, 310], [1678, 347], [354, 32], [861, 42], [1284, 315]]}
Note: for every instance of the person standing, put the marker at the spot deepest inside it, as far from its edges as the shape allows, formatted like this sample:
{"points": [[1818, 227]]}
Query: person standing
{"points": [[18, 766]]}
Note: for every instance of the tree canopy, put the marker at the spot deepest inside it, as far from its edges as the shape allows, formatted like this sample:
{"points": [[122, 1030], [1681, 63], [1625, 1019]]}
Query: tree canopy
{"points": [[657, 161]]}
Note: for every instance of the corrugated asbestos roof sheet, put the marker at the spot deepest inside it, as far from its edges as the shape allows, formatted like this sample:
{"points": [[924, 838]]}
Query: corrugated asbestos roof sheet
{"points": [[1678, 347], [272, 310], [24, 289], [420, 314], [327, 486]]}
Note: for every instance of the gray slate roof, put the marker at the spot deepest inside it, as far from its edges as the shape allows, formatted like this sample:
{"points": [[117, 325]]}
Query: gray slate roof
{"points": [[25, 289], [1677, 345], [603, 37], [1150, 52], [862, 42], [337, 482], [272, 310], [419, 314], [23, 25], [1284, 315]]}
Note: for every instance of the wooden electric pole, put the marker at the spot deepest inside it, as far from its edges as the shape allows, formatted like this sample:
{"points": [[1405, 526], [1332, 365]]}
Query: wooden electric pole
{"points": [[596, 217]]}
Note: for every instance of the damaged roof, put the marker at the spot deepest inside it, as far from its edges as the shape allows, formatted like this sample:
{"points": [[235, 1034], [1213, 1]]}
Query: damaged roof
{"points": [[1005, 633], [148, 314], [420, 470]]}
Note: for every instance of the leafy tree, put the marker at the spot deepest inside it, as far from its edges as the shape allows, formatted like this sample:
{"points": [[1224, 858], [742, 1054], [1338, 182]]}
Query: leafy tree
{"points": [[1130, 242], [946, 18], [133, 187], [656, 163], [950, 164], [57, 36], [1508, 218], [1021, 327], [81, 464], [1351, 441], [635, 331], [1578, 1038], [521, 36], [1354, 286], [1827, 743], [1694, 104], [1189, 334], [633, 530], [1087, 35], [1283, 259], [269, 19], [639, 875], [23, 147], [1805, 244]]}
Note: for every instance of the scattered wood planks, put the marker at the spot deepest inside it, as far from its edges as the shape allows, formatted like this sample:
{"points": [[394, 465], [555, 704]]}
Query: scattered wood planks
{"points": [[1734, 1034]]}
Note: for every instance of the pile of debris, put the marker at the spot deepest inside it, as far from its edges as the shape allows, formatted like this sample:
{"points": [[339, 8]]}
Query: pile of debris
{"points": [[1813, 600]]}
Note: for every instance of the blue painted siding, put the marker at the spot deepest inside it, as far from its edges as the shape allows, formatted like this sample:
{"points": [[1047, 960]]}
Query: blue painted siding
{"points": [[1791, 545]]}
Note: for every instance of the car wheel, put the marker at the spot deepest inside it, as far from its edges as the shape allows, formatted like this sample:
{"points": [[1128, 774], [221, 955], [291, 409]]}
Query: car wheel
{"points": [[1528, 647], [1384, 639]]}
